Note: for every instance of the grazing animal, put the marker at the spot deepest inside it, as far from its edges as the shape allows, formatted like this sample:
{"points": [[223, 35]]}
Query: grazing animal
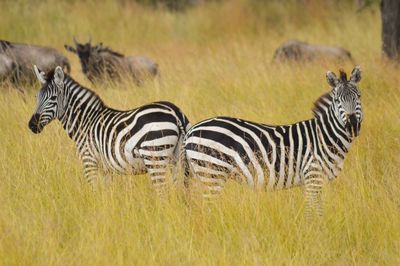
{"points": [[300, 51], [138, 141], [24, 56], [278, 157], [100, 63]]}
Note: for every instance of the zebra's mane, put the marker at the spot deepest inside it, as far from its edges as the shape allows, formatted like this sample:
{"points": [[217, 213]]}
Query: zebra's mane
{"points": [[49, 75], [322, 104], [68, 79]]}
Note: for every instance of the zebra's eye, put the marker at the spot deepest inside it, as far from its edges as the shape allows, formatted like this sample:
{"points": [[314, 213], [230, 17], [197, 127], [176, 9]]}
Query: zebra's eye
{"points": [[53, 98]]}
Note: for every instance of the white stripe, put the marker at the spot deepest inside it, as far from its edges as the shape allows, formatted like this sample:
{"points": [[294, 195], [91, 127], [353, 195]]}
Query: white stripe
{"points": [[205, 157], [197, 168], [156, 162], [165, 152], [297, 177], [212, 180], [157, 177], [167, 140]]}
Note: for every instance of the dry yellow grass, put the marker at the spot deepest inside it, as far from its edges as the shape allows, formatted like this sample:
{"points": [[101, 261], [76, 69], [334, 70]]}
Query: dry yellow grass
{"points": [[215, 60]]}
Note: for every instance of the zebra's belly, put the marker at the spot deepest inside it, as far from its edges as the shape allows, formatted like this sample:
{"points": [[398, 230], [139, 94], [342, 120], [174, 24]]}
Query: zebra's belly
{"points": [[136, 165], [259, 176], [131, 165]]}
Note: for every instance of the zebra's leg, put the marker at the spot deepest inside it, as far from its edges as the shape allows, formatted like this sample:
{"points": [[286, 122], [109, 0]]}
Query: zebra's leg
{"points": [[212, 181], [209, 178], [212, 186], [175, 168], [107, 179], [313, 182], [90, 169], [158, 179], [157, 167]]}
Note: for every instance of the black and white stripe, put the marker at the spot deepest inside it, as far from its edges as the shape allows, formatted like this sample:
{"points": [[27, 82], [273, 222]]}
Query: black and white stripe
{"points": [[138, 141], [278, 157]]}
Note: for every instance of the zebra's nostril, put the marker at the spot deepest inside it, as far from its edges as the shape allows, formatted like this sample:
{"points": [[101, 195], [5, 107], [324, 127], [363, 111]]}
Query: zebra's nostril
{"points": [[34, 123], [352, 119]]}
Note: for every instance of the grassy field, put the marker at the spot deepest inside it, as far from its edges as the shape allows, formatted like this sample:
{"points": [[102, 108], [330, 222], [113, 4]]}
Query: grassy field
{"points": [[215, 60]]}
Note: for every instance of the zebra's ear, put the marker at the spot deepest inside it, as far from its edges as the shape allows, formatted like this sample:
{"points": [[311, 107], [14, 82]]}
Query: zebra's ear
{"points": [[356, 74], [59, 76], [39, 74], [333, 81]]}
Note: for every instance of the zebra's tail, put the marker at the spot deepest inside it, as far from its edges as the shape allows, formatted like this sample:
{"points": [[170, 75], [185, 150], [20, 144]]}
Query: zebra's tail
{"points": [[179, 153], [180, 164], [184, 166]]}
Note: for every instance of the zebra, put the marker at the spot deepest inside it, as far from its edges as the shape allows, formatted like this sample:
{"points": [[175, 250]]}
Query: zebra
{"points": [[138, 141], [278, 156]]}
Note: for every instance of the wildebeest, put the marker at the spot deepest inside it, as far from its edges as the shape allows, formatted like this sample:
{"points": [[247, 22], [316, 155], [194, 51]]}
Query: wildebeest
{"points": [[301, 51], [24, 56], [100, 63]]}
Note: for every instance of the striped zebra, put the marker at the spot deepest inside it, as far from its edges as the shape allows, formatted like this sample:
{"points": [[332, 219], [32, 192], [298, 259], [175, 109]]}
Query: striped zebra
{"points": [[138, 141], [283, 156]]}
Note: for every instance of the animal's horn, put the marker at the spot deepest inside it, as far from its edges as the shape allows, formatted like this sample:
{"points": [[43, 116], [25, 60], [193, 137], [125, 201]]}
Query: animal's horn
{"points": [[75, 41], [90, 39], [39, 75], [343, 76]]}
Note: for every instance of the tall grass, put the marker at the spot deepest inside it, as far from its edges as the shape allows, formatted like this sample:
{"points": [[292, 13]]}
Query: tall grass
{"points": [[215, 60]]}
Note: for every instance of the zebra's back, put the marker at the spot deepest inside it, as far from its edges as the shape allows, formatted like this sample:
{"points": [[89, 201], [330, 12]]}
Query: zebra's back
{"points": [[264, 155]]}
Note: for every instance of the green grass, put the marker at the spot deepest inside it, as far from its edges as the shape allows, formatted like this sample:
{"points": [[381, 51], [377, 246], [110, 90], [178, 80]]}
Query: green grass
{"points": [[214, 60]]}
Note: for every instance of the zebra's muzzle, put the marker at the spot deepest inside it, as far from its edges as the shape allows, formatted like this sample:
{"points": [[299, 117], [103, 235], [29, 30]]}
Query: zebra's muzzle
{"points": [[34, 124], [353, 126]]}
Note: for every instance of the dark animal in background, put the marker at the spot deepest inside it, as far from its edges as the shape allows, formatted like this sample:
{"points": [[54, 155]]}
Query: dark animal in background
{"points": [[24, 56], [100, 63], [301, 51]]}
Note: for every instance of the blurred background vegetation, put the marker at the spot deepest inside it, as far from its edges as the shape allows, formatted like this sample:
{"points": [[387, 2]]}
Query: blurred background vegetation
{"points": [[215, 59]]}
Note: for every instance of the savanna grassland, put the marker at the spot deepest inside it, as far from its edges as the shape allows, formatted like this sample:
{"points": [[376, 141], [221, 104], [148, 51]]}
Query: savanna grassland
{"points": [[215, 59]]}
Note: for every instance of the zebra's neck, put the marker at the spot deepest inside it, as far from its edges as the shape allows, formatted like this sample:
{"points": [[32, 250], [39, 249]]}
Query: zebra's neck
{"points": [[78, 109], [333, 141]]}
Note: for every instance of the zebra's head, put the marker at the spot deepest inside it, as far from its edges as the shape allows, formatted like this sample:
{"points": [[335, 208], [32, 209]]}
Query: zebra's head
{"points": [[346, 98], [83, 50], [49, 100]]}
